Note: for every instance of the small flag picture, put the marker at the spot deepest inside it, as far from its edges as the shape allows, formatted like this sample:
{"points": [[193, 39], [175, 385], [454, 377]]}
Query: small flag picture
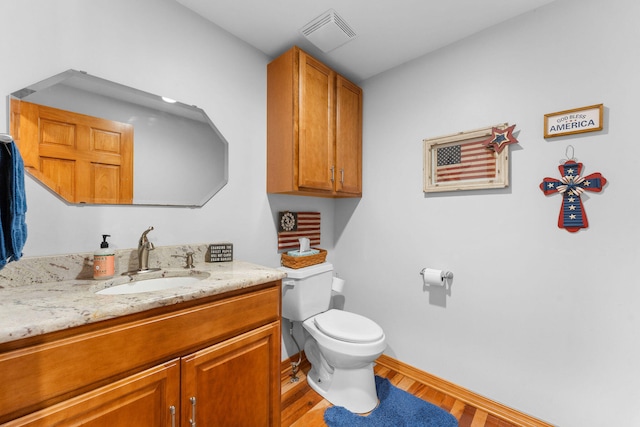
{"points": [[294, 225]]}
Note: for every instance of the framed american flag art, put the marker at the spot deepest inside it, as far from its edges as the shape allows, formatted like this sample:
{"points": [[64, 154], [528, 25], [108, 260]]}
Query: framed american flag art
{"points": [[467, 160]]}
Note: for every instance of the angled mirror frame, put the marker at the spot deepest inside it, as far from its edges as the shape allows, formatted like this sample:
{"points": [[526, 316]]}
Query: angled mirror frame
{"points": [[180, 158]]}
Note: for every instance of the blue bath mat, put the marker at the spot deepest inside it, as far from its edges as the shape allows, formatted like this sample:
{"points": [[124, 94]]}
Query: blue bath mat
{"points": [[397, 408]]}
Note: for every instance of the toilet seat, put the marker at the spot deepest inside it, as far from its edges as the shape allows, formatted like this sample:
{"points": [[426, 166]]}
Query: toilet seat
{"points": [[349, 327]]}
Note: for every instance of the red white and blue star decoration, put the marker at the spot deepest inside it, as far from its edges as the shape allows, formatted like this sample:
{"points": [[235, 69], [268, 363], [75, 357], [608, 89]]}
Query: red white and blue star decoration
{"points": [[500, 138], [572, 214]]}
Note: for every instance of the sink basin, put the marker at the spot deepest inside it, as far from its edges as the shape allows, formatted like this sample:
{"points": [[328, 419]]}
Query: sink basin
{"points": [[150, 285]]}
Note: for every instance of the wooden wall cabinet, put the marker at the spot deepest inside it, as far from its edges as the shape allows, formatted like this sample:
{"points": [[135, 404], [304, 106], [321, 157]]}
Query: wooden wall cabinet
{"points": [[314, 129], [227, 371]]}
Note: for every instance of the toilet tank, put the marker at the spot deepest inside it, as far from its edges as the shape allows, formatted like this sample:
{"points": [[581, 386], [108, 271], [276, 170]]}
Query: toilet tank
{"points": [[306, 291]]}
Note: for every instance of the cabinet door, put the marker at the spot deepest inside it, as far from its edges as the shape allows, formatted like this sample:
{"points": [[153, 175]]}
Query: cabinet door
{"points": [[316, 167], [150, 398], [348, 137], [234, 383]]}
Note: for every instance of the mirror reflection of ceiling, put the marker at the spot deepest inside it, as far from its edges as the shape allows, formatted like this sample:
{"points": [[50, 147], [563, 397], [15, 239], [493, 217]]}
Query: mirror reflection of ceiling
{"points": [[180, 157]]}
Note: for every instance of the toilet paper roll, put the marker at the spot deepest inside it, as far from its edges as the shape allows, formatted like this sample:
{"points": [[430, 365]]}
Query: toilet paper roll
{"points": [[337, 285], [433, 277]]}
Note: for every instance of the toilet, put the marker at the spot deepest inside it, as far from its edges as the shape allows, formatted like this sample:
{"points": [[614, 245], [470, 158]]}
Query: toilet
{"points": [[340, 346]]}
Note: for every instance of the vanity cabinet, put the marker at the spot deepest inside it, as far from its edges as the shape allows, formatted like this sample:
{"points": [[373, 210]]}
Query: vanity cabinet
{"points": [[314, 129], [212, 363]]}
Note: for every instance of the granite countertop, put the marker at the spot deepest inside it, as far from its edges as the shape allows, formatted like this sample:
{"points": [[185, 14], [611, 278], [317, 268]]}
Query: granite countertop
{"points": [[40, 307]]}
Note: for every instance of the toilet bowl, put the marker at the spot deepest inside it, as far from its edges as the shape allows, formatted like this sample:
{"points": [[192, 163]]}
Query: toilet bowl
{"points": [[341, 346], [349, 381]]}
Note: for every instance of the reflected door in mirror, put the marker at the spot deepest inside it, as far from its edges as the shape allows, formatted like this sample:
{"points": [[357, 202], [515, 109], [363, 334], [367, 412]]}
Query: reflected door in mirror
{"points": [[82, 158]]}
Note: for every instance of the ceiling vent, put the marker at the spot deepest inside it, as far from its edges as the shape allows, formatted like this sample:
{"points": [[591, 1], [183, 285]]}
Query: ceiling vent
{"points": [[328, 31]]}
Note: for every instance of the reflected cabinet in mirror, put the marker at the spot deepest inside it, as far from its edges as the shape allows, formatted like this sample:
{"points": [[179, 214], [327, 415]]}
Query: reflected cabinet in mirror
{"points": [[93, 141]]}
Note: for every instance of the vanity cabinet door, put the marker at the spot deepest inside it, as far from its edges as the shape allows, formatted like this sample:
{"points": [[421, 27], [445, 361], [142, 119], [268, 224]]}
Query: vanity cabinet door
{"points": [[149, 398], [234, 383]]}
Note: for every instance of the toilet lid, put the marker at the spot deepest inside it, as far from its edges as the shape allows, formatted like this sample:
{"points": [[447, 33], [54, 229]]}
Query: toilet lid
{"points": [[349, 327]]}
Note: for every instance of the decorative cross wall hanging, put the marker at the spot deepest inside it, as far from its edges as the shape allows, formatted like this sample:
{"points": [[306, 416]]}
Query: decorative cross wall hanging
{"points": [[572, 214]]}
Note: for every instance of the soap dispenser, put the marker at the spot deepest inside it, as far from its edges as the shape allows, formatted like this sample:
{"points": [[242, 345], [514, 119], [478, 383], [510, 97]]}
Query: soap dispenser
{"points": [[104, 265]]}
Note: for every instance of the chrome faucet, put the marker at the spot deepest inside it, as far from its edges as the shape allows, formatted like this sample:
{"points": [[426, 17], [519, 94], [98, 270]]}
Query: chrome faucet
{"points": [[144, 246]]}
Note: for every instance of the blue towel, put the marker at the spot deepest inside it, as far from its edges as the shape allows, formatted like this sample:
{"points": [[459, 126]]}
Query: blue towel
{"points": [[13, 204]]}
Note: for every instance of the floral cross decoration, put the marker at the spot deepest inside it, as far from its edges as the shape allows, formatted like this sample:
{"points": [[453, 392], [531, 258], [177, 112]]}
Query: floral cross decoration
{"points": [[572, 214]]}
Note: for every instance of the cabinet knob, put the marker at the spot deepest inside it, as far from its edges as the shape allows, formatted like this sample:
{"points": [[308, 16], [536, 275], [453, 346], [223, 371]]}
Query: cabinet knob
{"points": [[333, 172]]}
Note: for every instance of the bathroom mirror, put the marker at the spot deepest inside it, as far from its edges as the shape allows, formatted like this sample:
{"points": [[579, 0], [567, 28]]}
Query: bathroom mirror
{"points": [[179, 157]]}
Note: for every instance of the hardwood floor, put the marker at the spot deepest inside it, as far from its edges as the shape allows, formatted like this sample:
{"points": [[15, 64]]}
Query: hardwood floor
{"points": [[302, 407]]}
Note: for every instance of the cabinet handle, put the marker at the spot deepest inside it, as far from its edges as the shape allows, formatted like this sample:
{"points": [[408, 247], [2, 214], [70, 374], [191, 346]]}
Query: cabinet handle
{"points": [[192, 421], [172, 409], [342, 176], [333, 172]]}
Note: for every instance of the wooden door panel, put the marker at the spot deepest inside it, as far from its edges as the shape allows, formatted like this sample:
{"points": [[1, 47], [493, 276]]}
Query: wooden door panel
{"points": [[348, 137], [106, 181], [315, 150], [61, 175], [57, 133], [105, 141]]}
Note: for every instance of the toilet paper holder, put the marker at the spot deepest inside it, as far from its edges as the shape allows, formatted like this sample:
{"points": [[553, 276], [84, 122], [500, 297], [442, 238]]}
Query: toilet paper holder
{"points": [[443, 274]]}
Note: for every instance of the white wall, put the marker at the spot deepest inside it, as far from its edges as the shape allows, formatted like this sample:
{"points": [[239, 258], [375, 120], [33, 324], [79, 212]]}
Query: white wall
{"points": [[157, 46], [543, 320]]}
